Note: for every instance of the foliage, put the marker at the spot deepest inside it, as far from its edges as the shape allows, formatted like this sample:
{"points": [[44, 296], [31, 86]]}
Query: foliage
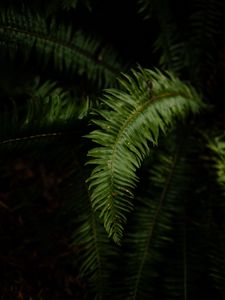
{"points": [[112, 177]]}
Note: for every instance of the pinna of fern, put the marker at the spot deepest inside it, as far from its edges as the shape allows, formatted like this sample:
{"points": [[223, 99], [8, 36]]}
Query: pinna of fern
{"points": [[148, 104]]}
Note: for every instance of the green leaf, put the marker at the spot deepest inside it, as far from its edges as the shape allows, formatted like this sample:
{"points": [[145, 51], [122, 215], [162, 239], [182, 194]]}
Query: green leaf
{"points": [[67, 50], [147, 104]]}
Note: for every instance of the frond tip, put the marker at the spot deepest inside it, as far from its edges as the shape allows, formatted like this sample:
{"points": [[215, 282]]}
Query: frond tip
{"points": [[148, 103]]}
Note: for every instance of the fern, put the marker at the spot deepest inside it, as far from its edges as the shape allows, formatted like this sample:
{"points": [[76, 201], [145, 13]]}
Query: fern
{"points": [[217, 146], [160, 238], [204, 31], [150, 230], [149, 103], [25, 132], [169, 42], [69, 51], [207, 20], [217, 260], [22, 124], [172, 49], [217, 242]]}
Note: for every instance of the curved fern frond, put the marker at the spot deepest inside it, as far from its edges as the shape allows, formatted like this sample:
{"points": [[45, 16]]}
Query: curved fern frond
{"points": [[151, 228], [147, 104], [68, 50]]}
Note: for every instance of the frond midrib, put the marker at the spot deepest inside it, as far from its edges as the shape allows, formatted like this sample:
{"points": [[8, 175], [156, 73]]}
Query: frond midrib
{"points": [[139, 109], [30, 137]]}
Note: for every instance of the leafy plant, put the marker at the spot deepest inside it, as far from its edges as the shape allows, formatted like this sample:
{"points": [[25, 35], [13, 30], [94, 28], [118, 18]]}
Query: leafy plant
{"points": [[112, 172]]}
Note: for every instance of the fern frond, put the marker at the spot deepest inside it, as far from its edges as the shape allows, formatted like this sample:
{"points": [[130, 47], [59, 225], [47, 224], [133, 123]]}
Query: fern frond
{"points": [[217, 146], [217, 232], [217, 260], [40, 119], [172, 50], [207, 20], [206, 37], [67, 50], [50, 120], [169, 42], [147, 104], [150, 229], [185, 271], [185, 266]]}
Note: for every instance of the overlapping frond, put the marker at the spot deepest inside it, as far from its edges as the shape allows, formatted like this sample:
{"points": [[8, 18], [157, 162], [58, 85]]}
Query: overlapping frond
{"points": [[67, 50], [151, 228], [172, 49], [205, 35], [147, 104], [185, 267], [207, 20], [49, 113], [168, 43], [49, 126]]}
